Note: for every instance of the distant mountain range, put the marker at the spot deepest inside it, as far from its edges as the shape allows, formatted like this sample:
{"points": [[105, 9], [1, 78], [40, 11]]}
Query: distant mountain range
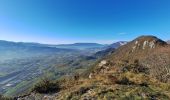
{"points": [[10, 50], [26, 46], [83, 44], [80, 46], [117, 44]]}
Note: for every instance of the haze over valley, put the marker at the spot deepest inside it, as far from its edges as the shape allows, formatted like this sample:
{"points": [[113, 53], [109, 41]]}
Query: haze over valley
{"points": [[24, 63]]}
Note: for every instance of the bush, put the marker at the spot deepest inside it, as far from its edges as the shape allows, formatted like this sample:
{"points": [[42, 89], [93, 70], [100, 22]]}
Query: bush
{"points": [[83, 90], [112, 79], [76, 94], [47, 86], [125, 81], [76, 77], [145, 84], [136, 68]]}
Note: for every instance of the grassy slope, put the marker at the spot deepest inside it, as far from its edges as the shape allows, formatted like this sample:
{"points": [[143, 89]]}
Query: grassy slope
{"points": [[105, 87], [113, 84]]}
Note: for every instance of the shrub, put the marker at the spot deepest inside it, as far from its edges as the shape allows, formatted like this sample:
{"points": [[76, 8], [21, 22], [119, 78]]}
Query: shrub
{"points": [[136, 68], [125, 81], [145, 84], [112, 79], [76, 77], [83, 90], [76, 94], [47, 86]]}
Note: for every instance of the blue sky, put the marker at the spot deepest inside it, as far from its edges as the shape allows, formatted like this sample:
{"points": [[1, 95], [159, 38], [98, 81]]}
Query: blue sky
{"points": [[69, 21]]}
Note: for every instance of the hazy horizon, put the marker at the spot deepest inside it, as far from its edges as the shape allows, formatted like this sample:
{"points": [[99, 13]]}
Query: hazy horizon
{"points": [[60, 43]]}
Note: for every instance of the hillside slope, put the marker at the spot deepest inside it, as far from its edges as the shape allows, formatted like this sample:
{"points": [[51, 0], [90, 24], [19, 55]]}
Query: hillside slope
{"points": [[150, 52], [138, 70]]}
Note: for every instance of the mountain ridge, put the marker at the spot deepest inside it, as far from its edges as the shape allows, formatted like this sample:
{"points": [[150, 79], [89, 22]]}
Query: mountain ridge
{"points": [[51, 45], [117, 44]]}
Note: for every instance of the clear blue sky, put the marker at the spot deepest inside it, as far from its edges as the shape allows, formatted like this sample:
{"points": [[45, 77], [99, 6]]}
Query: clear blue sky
{"points": [[69, 21]]}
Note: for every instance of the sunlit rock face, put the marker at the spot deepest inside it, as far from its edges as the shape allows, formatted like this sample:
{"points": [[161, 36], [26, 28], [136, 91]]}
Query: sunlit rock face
{"points": [[103, 62], [147, 42], [150, 44]]}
